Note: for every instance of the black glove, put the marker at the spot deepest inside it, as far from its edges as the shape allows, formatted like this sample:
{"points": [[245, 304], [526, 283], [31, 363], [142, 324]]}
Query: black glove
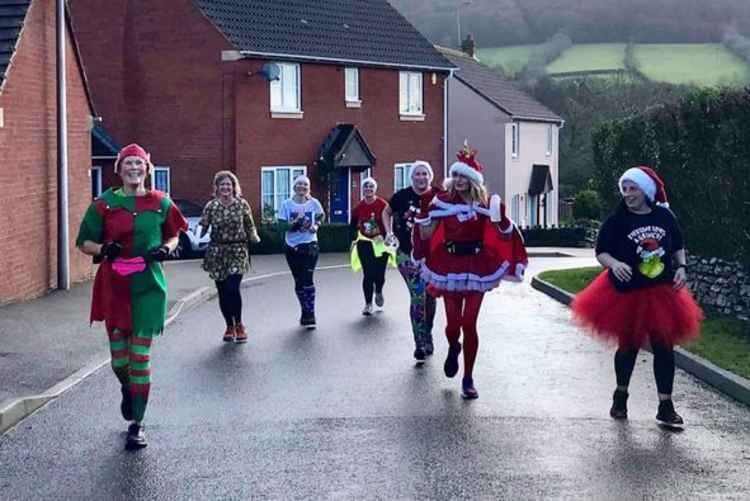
{"points": [[108, 252], [158, 253]]}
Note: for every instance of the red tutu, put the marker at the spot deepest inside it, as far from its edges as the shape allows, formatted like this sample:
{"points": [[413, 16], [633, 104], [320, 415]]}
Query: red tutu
{"points": [[633, 318]]}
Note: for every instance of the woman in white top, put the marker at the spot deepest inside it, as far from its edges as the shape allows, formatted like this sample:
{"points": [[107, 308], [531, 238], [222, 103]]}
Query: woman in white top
{"points": [[300, 217]]}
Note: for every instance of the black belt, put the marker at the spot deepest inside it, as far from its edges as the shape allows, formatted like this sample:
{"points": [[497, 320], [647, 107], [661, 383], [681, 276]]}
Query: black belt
{"points": [[464, 248]]}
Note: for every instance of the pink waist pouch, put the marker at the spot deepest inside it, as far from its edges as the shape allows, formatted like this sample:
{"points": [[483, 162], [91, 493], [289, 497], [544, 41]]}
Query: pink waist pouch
{"points": [[125, 267]]}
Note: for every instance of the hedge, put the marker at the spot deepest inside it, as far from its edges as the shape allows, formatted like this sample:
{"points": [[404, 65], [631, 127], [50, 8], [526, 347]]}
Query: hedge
{"points": [[700, 146], [331, 237]]}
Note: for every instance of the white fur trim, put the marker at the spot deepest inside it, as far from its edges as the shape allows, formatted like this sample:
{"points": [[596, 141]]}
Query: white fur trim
{"points": [[421, 164], [468, 171], [460, 282], [643, 180], [370, 180]]}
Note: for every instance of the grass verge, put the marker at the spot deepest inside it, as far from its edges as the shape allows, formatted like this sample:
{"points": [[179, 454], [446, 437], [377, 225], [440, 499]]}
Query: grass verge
{"points": [[725, 340]]}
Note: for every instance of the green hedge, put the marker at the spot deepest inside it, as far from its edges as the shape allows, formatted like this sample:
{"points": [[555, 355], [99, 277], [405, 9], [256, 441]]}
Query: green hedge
{"points": [[555, 237], [700, 146], [331, 237]]}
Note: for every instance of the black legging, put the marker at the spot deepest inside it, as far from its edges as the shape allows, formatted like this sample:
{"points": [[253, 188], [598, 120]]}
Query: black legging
{"points": [[230, 299], [373, 269], [663, 367], [302, 261]]}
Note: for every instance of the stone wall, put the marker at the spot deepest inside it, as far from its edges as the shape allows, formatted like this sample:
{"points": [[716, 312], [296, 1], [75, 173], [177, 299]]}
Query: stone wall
{"points": [[720, 284]]}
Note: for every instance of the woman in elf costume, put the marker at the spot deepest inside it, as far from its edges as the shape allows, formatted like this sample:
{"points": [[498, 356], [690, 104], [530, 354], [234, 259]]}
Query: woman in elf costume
{"points": [[370, 252], [228, 255], [641, 299], [130, 230], [472, 247]]}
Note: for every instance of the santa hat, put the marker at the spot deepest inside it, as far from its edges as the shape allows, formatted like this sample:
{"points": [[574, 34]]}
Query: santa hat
{"points": [[131, 150], [649, 183], [370, 180], [467, 165], [421, 164]]}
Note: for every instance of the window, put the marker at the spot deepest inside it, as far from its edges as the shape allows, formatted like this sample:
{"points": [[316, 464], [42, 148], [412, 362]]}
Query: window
{"points": [[277, 184], [161, 179], [401, 177], [515, 208], [285, 92], [96, 181], [362, 176], [515, 139], [410, 93], [550, 139], [351, 77]]}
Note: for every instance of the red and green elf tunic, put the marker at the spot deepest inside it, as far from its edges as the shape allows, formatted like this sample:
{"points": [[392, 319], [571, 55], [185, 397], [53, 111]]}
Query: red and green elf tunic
{"points": [[137, 302]]}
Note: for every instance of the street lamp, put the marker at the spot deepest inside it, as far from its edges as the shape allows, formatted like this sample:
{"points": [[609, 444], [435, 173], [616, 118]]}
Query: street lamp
{"points": [[460, 4]]}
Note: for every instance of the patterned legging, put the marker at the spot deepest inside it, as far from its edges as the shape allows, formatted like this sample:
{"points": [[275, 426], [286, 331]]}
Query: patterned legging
{"points": [[131, 363], [422, 309]]}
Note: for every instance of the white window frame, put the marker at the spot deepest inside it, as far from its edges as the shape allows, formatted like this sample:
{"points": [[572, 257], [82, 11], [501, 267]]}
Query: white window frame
{"points": [[404, 176], [515, 139], [162, 168], [277, 89], [351, 82], [277, 202], [515, 208], [99, 170], [550, 139], [362, 176], [411, 95]]}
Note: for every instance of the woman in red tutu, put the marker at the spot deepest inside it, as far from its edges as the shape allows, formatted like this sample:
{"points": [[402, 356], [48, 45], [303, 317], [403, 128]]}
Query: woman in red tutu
{"points": [[472, 247], [641, 298]]}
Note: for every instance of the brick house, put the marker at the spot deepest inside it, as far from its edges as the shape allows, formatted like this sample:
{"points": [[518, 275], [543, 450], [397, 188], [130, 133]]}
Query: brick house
{"points": [[28, 149], [516, 136], [267, 89]]}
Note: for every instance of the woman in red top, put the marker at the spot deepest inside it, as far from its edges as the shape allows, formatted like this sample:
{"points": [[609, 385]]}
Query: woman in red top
{"points": [[369, 247], [473, 246]]}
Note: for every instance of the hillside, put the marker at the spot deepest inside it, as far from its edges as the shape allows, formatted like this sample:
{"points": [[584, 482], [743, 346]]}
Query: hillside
{"points": [[523, 22]]}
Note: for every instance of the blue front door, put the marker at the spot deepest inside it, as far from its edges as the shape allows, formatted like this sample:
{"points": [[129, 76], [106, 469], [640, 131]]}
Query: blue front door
{"points": [[340, 198]]}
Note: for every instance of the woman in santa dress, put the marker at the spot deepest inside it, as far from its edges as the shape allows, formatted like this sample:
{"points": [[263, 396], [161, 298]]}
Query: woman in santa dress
{"points": [[472, 247], [640, 299]]}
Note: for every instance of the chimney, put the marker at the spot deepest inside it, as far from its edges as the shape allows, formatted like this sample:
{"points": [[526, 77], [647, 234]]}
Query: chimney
{"points": [[469, 46]]}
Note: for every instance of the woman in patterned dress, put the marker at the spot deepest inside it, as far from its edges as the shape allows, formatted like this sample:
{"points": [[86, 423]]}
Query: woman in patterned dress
{"points": [[228, 255], [129, 230]]}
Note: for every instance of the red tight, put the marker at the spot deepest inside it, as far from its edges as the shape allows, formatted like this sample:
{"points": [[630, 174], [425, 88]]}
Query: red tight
{"points": [[462, 311]]}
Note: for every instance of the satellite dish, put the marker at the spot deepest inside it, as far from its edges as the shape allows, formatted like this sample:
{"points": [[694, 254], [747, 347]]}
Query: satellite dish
{"points": [[270, 71]]}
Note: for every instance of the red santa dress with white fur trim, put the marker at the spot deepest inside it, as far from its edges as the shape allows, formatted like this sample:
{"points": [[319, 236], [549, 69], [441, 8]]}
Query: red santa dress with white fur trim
{"points": [[501, 256]]}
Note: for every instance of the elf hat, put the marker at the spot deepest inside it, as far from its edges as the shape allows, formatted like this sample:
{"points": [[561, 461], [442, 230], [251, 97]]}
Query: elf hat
{"points": [[648, 181], [131, 150], [467, 165]]}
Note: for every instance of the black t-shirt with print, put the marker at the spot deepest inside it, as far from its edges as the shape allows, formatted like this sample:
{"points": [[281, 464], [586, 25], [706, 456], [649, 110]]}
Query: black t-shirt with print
{"points": [[645, 242], [404, 205]]}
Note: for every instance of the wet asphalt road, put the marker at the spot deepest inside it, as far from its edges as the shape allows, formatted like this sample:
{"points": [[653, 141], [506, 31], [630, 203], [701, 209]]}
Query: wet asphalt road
{"points": [[342, 412]]}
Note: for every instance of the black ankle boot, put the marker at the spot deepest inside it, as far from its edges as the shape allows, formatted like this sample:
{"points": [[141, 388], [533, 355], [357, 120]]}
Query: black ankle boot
{"points": [[619, 408]]}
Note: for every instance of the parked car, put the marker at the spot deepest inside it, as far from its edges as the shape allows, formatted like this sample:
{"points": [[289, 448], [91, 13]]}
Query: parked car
{"points": [[191, 244]]}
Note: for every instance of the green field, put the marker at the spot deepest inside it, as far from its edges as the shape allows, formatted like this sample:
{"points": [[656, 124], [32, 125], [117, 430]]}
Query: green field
{"points": [[512, 58], [590, 57], [700, 64]]}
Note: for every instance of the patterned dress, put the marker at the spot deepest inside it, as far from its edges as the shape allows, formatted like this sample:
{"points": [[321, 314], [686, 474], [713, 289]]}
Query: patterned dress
{"points": [[231, 228]]}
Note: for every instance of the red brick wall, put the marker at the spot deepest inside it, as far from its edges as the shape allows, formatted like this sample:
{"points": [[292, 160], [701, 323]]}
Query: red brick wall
{"points": [[161, 83], [158, 83], [263, 141], [28, 152]]}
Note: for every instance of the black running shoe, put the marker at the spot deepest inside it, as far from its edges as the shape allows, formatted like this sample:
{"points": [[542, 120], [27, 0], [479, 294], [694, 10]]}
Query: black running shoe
{"points": [[136, 437], [619, 408], [451, 361], [420, 355], [667, 416], [308, 321], [126, 406], [468, 392]]}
